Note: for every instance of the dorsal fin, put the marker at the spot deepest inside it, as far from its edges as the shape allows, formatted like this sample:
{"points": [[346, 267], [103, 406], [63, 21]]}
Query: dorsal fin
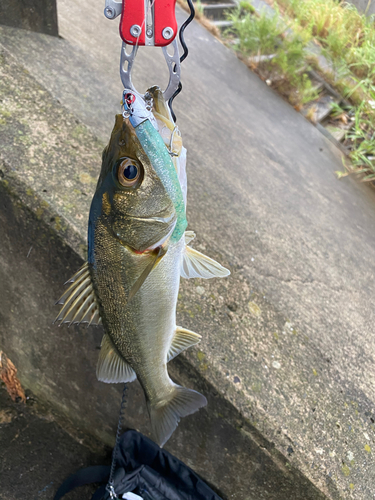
{"points": [[79, 300]]}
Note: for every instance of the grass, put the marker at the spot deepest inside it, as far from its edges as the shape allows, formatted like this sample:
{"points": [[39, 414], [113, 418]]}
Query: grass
{"points": [[198, 9], [285, 68], [261, 34], [346, 39], [363, 137]]}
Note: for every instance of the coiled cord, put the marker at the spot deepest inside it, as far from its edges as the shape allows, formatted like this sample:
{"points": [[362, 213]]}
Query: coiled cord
{"points": [[184, 55], [110, 487]]}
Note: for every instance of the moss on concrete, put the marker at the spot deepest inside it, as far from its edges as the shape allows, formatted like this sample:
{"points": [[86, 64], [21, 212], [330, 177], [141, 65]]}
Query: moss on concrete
{"points": [[49, 158]]}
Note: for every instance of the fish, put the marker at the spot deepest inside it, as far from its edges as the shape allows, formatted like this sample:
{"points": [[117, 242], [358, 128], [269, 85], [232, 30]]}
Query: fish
{"points": [[138, 249]]}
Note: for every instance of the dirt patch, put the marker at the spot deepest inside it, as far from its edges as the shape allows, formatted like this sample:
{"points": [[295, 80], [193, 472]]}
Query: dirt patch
{"points": [[6, 417]]}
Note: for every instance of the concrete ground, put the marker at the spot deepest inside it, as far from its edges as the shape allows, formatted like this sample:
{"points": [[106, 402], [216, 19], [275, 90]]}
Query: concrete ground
{"points": [[288, 338], [37, 454], [39, 449]]}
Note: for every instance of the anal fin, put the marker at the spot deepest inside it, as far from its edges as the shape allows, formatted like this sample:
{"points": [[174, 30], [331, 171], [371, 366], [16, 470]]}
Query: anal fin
{"points": [[183, 339], [111, 367]]}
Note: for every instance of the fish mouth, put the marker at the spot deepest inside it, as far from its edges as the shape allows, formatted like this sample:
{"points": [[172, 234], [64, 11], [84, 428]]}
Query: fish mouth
{"points": [[163, 239], [163, 229], [163, 220]]}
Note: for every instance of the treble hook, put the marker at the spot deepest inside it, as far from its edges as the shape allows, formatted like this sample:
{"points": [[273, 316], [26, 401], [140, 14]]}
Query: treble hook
{"points": [[170, 151]]}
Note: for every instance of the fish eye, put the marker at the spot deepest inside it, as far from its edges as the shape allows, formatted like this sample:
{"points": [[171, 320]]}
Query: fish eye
{"points": [[128, 172]]}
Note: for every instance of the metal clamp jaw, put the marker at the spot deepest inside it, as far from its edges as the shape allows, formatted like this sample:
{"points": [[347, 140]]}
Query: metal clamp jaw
{"points": [[147, 22], [173, 62]]}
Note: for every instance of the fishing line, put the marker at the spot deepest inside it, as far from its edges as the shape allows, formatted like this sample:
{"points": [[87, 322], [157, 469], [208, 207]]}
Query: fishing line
{"points": [[110, 486], [144, 22], [184, 55]]}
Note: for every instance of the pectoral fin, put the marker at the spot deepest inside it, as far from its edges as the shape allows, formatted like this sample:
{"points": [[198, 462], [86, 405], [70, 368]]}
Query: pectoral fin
{"points": [[158, 255], [111, 367], [189, 236], [183, 339], [196, 265], [79, 300]]}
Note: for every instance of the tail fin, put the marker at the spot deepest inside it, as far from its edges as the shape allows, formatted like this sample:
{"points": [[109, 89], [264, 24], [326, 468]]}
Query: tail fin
{"points": [[165, 417]]}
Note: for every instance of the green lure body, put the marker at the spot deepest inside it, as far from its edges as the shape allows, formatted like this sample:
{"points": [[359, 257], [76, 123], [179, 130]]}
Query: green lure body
{"points": [[155, 149]]}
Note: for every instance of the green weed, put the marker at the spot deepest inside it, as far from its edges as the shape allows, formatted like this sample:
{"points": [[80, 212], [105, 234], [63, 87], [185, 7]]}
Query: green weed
{"points": [[267, 35], [347, 40], [198, 8], [257, 35], [246, 7], [362, 136]]}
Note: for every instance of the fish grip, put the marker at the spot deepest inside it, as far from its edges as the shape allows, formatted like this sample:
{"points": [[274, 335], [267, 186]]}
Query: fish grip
{"points": [[173, 61], [110, 485]]}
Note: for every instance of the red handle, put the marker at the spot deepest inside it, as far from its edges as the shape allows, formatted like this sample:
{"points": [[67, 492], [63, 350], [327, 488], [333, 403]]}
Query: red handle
{"points": [[133, 22]]}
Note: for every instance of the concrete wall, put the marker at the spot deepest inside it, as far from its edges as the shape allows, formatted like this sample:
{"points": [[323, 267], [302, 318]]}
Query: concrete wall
{"points": [[47, 166], [34, 15]]}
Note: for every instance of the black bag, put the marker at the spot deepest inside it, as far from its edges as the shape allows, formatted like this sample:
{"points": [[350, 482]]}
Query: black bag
{"points": [[144, 469]]}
